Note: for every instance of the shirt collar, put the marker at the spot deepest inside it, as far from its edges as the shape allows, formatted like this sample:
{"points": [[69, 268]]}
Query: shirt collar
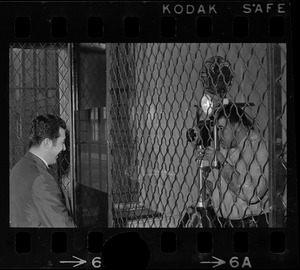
{"points": [[41, 159]]}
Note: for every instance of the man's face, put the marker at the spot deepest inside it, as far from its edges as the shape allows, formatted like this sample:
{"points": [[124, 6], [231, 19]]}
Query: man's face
{"points": [[227, 133], [57, 146]]}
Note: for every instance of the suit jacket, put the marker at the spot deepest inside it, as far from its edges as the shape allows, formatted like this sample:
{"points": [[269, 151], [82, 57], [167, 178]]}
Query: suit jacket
{"points": [[36, 199]]}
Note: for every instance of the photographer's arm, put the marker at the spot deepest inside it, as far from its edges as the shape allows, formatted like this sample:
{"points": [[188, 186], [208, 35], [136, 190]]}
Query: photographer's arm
{"points": [[228, 172], [239, 181], [231, 176], [248, 178]]}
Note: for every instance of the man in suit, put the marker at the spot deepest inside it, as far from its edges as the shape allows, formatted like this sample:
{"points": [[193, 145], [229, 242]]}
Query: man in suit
{"points": [[36, 199]]}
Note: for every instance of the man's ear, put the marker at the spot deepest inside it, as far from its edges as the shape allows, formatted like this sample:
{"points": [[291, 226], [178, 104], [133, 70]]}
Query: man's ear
{"points": [[47, 143], [237, 126]]}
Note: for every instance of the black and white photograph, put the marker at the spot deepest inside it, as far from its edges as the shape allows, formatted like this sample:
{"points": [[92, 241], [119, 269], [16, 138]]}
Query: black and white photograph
{"points": [[148, 135]]}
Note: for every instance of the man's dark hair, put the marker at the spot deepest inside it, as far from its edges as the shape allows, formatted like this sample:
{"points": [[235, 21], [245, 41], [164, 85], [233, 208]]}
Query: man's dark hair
{"points": [[45, 126], [235, 114]]}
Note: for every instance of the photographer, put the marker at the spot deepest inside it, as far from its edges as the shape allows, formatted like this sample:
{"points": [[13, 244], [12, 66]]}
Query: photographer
{"points": [[240, 184]]}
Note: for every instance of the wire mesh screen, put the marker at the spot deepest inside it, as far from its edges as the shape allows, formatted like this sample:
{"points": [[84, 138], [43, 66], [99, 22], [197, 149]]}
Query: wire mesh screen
{"points": [[159, 176], [39, 84]]}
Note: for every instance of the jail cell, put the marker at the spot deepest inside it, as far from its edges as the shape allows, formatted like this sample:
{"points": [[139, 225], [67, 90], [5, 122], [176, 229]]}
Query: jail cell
{"points": [[154, 91], [39, 83]]}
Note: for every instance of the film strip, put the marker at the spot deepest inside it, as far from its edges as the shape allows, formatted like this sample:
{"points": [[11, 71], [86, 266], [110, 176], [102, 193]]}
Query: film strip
{"points": [[131, 81]]}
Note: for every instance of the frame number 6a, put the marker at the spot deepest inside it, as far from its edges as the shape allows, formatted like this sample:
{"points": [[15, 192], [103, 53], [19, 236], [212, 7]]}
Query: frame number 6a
{"points": [[234, 262]]}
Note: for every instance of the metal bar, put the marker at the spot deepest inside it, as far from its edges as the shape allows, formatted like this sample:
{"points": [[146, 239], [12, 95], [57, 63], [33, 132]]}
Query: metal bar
{"points": [[272, 186], [74, 107], [46, 76], [57, 96], [108, 121], [98, 130], [90, 136], [216, 145], [23, 115], [276, 173], [280, 174], [72, 125]]}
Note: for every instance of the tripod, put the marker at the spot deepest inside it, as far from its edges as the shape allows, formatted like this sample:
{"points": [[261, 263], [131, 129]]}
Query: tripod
{"points": [[203, 211], [201, 214]]}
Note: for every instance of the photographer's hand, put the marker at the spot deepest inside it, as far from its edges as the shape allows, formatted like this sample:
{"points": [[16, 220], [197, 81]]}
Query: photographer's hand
{"points": [[210, 153], [228, 171]]}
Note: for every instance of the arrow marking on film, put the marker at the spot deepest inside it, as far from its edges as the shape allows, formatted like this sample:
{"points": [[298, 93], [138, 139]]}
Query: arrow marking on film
{"points": [[218, 262], [79, 262]]}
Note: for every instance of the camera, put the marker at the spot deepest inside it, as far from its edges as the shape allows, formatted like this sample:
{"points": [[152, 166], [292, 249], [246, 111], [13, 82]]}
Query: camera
{"points": [[202, 134]]}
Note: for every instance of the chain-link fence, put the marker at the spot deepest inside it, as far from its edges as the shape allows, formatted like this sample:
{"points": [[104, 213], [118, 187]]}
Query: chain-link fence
{"points": [[39, 83], [140, 130], [157, 173]]}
